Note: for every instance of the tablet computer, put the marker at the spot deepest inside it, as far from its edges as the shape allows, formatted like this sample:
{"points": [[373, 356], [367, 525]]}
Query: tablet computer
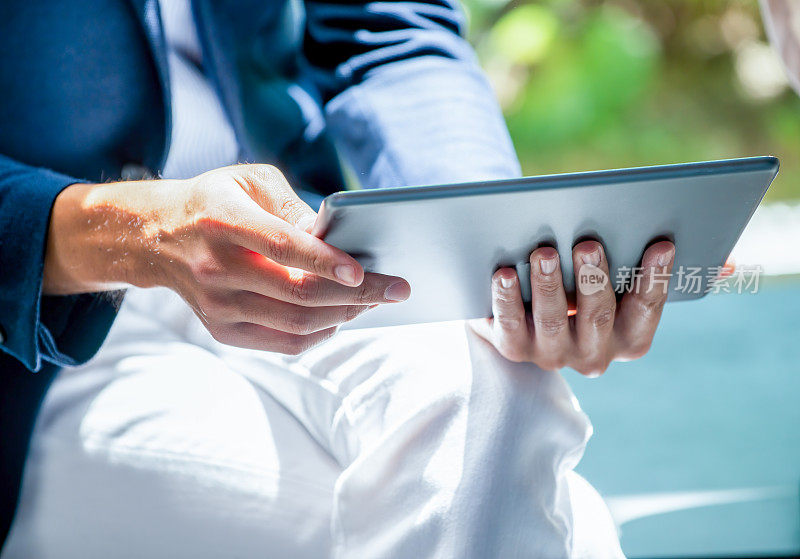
{"points": [[448, 240]]}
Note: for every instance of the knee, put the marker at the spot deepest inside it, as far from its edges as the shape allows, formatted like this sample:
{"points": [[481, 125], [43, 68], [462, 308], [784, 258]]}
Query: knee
{"points": [[437, 383]]}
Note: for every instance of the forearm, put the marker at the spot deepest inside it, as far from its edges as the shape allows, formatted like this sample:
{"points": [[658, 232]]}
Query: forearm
{"points": [[425, 120], [103, 237], [407, 102]]}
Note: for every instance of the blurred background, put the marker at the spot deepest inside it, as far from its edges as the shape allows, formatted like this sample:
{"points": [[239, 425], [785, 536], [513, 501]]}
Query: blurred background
{"points": [[589, 84], [696, 446]]}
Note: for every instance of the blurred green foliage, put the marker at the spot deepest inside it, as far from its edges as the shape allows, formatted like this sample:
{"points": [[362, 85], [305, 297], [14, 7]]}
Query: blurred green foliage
{"points": [[592, 84]]}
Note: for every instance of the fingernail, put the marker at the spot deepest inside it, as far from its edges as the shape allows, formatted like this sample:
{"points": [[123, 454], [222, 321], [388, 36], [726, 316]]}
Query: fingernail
{"points": [[547, 265], [507, 283], [306, 222], [346, 273], [592, 258], [665, 258], [397, 292]]}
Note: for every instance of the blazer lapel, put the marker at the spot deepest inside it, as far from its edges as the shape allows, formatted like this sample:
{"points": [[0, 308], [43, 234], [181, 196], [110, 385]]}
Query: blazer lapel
{"points": [[150, 18]]}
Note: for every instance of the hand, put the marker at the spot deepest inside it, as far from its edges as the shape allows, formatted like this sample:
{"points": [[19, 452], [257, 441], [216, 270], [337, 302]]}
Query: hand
{"points": [[233, 242], [601, 330]]}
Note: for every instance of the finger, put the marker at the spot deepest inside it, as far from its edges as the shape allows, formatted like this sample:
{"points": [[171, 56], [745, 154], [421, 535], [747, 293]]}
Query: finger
{"points": [[551, 333], [512, 337], [288, 317], [268, 187], [596, 308], [279, 241], [253, 336], [640, 309], [250, 272], [483, 328]]}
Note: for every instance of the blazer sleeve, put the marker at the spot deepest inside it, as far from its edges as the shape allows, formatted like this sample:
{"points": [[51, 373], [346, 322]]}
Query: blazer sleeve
{"points": [[62, 330], [406, 101]]}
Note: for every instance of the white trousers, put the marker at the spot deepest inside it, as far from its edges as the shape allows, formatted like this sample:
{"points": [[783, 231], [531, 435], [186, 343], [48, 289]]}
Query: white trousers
{"points": [[405, 442]]}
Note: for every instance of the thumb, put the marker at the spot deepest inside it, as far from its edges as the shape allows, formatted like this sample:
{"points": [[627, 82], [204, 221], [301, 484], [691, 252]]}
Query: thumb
{"points": [[267, 186]]}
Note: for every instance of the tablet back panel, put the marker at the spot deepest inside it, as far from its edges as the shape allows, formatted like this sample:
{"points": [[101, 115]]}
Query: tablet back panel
{"points": [[447, 241]]}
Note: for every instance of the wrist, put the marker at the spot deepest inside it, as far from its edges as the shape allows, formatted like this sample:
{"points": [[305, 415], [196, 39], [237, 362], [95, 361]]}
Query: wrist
{"points": [[101, 238], [77, 259]]}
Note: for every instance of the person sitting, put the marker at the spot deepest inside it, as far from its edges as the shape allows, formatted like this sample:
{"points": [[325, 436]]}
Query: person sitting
{"points": [[142, 430]]}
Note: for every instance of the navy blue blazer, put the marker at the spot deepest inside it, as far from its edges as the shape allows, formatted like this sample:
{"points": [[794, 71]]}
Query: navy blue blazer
{"points": [[84, 91]]}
